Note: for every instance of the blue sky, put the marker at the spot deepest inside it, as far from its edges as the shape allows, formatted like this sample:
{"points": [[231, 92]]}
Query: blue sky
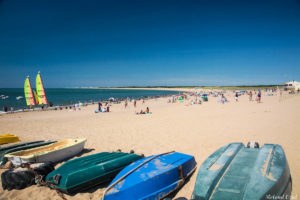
{"points": [[154, 42]]}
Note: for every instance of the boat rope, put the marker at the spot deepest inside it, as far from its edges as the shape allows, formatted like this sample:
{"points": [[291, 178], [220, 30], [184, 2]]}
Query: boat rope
{"points": [[134, 169], [39, 180]]}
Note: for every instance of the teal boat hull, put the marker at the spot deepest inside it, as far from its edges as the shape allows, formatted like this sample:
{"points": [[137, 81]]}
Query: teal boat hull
{"points": [[20, 147], [235, 172], [86, 172]]}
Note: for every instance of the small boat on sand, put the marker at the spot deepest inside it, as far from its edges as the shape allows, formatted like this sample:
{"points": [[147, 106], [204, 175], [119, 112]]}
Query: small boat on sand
{"points": [[19, 147], [82, 173], [236, 172], [55, 152], [151, 178], [8, 138]]}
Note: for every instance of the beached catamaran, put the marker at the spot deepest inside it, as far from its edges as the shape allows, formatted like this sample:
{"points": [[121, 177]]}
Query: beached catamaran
{"points": [[40, 90], [28, 93], [38, 94]]}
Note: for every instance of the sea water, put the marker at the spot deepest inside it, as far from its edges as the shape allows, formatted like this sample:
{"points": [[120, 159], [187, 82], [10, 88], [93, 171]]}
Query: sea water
{"points": [[67, 96]]}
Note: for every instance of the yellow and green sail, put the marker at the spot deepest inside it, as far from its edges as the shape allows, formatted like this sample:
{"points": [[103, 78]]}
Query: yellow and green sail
{"points": [[40, 90], [36, 97], [28, 93]]}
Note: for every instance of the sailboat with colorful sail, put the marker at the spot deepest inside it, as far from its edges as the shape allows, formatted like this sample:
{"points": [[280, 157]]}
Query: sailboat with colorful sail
{"points": [[28, 93], [36, 97], [40, 90]]}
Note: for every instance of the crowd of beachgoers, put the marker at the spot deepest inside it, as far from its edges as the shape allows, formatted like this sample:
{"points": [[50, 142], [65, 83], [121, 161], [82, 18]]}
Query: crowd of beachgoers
{"points": [[193, 97], [103, 105]]}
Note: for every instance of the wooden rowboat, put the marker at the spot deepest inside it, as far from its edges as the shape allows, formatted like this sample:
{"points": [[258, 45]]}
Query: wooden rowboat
{"points": [[20, 147], [55, 152]]}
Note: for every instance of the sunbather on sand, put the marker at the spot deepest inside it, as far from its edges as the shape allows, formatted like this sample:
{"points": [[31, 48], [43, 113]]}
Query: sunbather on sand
{"points": [[143, 112]]}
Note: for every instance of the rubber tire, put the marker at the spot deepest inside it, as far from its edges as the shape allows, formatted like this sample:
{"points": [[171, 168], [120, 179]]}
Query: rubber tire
{"points": [[20, 179]]}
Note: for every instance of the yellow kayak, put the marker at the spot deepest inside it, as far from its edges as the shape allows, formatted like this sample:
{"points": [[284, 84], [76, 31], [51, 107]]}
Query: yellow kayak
{"points": [[8, 138]]}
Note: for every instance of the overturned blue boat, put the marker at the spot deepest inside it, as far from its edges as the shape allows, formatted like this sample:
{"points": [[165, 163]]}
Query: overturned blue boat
{"points": [[236, 172], [151, 178]]}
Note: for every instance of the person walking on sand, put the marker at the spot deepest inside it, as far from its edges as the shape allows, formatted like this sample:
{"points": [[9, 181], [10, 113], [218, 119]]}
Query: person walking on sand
{"points": [[5, 108], [134, 103], [126, 104], [236, 97], [223, 99], [99, 106], [250, 96], [259, 97]]}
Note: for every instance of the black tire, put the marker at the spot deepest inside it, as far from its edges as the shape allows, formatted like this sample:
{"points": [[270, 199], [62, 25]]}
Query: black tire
{"points": [[20, 182], [21, 178], [17, 179], [3, 180]]}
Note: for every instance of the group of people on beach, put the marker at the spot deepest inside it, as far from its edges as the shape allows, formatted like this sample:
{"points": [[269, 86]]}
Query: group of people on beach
{"points": [[103, 109], [5, 109], [223, 99], [174, 99], [134, 101], [250, 94], [258, 98]]}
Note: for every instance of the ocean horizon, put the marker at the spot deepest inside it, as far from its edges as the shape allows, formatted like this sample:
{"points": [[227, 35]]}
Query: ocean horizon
{"points": [[68, 96]]}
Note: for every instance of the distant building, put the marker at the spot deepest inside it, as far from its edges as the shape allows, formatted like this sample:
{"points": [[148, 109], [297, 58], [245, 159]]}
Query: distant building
{"points": [[292, 85]]}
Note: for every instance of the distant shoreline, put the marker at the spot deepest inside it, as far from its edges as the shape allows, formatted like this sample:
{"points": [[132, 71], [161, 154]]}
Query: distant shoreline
{"points": [[170, 87], [70, 97], [191, 88]]}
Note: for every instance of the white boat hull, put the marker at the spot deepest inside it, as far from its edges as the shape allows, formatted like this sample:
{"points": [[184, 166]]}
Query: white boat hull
{"points": [[50, 156]]}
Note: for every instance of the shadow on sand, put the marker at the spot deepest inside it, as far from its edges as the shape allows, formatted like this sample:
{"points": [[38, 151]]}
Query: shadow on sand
{"points": [[173, 194], [93, 188]]}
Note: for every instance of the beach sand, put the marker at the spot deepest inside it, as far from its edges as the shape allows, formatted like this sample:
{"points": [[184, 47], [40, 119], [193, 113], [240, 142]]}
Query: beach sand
{"points": [[198, 130]]}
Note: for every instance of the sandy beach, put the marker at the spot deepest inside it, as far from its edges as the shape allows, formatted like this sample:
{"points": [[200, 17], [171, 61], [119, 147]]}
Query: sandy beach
{"points": [[197, 130]]}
